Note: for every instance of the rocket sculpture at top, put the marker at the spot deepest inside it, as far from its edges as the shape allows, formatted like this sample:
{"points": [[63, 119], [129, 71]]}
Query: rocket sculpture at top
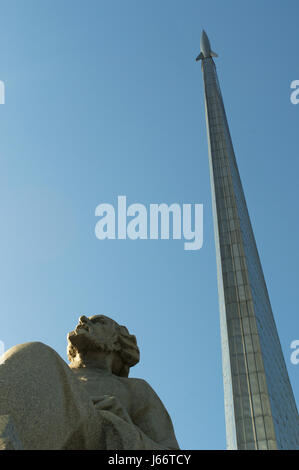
{"points": [[205, 48], [260, 407]]}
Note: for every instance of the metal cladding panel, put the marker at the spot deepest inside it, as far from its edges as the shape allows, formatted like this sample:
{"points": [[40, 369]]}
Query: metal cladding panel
{"points": [[260, 408]]}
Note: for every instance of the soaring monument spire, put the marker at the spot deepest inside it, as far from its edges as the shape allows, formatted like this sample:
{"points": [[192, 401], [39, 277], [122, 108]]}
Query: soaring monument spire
{"points": [[260, 408]]}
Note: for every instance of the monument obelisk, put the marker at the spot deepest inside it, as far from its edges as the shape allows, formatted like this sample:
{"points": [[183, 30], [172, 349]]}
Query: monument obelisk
{"points": [[260, 407]]}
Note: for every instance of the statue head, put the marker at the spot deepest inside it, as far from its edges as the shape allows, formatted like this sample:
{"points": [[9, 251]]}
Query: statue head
{"points": [[101, 334]]}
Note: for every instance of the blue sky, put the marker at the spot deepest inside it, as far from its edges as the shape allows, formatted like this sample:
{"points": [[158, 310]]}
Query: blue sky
{"points": [[104, 98]]}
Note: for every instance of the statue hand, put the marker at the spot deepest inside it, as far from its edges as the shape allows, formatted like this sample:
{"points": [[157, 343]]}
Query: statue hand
{"points": [[112, 404]]}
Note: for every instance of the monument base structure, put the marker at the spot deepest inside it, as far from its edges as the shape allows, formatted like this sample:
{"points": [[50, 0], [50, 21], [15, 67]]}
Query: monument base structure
{"points": [[260, 407]]}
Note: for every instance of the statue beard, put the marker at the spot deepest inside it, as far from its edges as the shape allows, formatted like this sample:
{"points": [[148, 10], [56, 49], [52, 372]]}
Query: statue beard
{"points": [[79, 345]]}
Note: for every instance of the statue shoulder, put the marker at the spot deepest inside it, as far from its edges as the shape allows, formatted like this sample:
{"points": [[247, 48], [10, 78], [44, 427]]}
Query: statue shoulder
{"points": [[139, 384], [143, 390]]}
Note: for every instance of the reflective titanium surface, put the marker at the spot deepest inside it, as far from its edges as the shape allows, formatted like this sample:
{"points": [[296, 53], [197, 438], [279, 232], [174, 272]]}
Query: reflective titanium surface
{"points": [[260, 407]]}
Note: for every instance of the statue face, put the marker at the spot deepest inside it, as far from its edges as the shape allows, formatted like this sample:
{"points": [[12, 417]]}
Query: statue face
{"points": [[97, 332]]}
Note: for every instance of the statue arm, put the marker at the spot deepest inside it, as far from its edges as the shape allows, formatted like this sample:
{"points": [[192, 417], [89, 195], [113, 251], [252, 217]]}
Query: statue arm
{"points": [[153, 420], [147, 427]]}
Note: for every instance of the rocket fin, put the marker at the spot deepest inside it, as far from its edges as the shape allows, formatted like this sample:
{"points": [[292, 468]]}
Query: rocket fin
{"points": [[200, 56], [213, 54]]}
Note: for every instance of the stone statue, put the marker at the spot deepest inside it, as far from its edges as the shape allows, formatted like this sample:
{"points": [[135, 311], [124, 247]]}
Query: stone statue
{"points": [[90, 404]]}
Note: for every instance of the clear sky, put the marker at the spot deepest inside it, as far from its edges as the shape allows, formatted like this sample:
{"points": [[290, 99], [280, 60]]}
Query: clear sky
{"points": [[104, 98]]}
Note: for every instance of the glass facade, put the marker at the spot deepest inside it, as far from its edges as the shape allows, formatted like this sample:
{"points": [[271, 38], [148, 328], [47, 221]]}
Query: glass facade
{"points": [[260, 407]]}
